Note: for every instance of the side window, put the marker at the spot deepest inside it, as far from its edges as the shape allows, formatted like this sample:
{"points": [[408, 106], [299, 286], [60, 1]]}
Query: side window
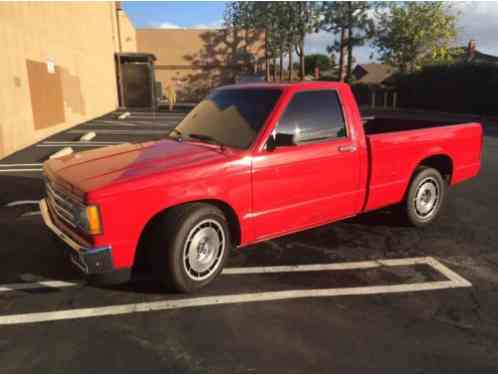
{"points": [[313, 116]]}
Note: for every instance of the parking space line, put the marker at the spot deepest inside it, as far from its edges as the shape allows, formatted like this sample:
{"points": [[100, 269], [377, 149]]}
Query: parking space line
{"points": [[79, 142], [331, 266], [21, 170], [118, 131], [454, 281], [219, 300], [37, 285], [20, 165], [20, 203]]}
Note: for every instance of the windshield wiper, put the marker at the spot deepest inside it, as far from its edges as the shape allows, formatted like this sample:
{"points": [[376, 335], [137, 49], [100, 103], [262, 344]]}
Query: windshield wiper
{"points": [[206, 138]]}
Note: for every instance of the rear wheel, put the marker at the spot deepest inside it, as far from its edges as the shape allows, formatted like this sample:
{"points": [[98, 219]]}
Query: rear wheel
{"points": [[191, 245], [426, 197]]}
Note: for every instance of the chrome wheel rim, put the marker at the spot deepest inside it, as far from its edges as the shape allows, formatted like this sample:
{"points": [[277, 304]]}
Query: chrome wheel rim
{"points": [[203, 249], [426, 198]]}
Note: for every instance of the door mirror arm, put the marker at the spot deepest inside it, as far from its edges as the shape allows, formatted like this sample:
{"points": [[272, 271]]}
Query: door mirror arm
{"points": [[280, 140]]}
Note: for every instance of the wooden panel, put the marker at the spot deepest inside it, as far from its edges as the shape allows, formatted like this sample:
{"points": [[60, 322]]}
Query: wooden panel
{"points": [[47, 101]]}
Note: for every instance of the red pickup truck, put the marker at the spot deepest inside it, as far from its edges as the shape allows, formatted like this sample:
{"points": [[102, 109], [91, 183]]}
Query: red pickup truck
{"points": [[249, 163]]}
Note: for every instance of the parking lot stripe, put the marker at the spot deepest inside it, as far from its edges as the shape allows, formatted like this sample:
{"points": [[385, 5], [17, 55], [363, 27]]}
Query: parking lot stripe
{"points": [[219, 300], [79, 142], [37, 285], [82, 144], [455, 281], [118, 131], [331, 266], [20, 165], [21, 170], [20, 203]]}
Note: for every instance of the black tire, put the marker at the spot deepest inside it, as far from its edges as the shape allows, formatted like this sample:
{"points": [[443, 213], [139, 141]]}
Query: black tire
{"points": [[418, 209], [170, 235]]}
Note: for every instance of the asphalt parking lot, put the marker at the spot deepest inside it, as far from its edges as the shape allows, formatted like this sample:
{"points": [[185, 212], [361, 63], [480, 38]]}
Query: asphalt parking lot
{"points": [[363, 295]]}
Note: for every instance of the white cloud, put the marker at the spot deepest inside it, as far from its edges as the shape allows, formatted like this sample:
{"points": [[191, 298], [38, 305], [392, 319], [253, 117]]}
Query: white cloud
{"points": [[170, 25], [219, 24], [166, 25], [478, 21]]}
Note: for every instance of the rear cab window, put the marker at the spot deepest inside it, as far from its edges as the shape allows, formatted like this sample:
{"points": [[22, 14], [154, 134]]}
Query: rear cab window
{"points": [[313, 116]]}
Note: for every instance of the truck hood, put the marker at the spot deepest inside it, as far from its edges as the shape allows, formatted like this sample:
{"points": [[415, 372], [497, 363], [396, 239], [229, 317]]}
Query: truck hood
{"points": [[94, 169]]}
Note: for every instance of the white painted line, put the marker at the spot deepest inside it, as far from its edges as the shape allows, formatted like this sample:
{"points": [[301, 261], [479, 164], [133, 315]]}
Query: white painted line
{"points": [[20, 203], [130, 124], [117, 131], [63, 152], [59, 143], [81, 144], [124, 115], [20, 165], [31, 213], [21, 170], [115, 122], [219, 300], [455, 281], [37, 285], [88, 136]]}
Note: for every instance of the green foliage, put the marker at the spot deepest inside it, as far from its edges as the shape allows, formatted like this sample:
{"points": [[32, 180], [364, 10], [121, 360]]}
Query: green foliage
{"points": [[460, 88], [413, 34], [317, 60]]}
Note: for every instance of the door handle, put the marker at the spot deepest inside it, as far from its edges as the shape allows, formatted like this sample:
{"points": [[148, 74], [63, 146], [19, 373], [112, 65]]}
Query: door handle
{"points": [[349, 148]]}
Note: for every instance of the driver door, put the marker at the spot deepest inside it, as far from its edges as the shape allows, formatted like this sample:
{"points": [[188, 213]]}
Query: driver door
{"points": [[312, 180]]}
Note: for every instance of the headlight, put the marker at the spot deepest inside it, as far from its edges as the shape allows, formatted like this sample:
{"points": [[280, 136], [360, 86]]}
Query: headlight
{"points": [[89, 220]]}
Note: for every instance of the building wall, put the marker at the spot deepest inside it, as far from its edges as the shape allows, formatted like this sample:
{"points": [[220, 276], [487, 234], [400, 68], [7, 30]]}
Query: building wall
{"points": [[79, 41], [195, 60], [127, 32]]}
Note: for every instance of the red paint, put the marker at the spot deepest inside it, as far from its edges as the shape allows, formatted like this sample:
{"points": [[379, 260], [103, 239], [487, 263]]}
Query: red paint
{"points": [[271, 192]]}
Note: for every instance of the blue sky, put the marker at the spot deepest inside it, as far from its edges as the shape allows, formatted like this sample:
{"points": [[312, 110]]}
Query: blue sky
{"points": [[175, 13], [477, 20]]}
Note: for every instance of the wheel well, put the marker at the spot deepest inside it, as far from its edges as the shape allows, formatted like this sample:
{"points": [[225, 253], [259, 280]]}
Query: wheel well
{"points": [[232, 218], [442, 163]]}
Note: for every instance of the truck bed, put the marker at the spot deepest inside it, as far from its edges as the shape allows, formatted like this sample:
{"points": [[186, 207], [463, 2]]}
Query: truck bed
{"points": [[397, 146], [375, 125]]}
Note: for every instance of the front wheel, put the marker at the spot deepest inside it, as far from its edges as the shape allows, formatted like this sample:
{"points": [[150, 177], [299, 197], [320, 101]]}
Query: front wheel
{"points": [[426, 197], [192, 243]]}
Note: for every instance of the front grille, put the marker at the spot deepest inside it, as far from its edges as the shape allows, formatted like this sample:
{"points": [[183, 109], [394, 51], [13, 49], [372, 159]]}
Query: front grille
{"points": [[61, 204]]}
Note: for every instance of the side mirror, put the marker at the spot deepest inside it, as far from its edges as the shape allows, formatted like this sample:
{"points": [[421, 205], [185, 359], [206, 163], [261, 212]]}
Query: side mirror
{"points": [[280, 140]]}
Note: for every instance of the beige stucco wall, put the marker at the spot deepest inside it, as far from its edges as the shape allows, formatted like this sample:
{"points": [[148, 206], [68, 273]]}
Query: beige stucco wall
{"points": [[81, 39], [195, 60], [127, 32]]}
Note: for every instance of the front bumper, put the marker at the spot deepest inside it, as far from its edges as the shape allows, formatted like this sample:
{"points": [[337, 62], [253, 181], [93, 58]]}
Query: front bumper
{"points": [[91, 260]]}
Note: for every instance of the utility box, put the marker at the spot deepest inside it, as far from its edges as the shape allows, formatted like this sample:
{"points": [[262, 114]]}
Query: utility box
{"points": [[136, 80]]}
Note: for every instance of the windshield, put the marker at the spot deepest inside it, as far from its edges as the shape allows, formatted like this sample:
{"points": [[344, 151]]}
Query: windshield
{"points": [[230, 117]]}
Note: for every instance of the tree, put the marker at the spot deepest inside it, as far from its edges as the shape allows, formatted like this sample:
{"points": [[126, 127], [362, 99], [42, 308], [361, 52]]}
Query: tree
{"points": [[353, 21], [275, 19], [414, 34], [317, 60], [306, 16]]}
